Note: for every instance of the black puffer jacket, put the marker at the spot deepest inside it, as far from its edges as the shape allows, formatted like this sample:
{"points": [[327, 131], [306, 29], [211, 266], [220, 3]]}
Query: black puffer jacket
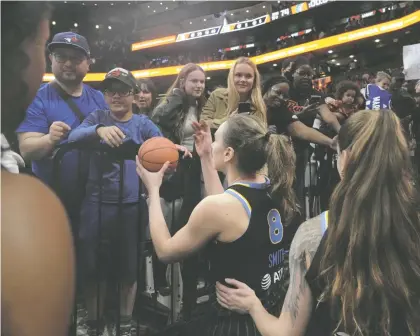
{"points": [[170, 116]]}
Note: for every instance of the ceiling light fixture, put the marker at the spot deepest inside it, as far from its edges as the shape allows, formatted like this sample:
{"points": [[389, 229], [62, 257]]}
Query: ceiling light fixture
{"points": [[76, 25], [264, 6], [333, 60], [330, 51], [109, 27], [275, 64], [97, 26], [53, 23], [338, 63], [247, 10], [377, 40], [351, 56]]}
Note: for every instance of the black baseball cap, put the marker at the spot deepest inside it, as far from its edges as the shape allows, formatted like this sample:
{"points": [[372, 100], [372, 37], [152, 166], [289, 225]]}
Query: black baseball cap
{"points": [[70, 39], [122, 75]]}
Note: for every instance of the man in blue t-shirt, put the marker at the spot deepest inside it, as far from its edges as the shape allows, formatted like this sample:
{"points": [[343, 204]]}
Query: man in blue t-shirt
{"points": [[49, 118]]}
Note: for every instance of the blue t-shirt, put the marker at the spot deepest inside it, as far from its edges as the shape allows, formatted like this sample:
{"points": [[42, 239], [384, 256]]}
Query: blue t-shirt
{"points": [[49, 107], [137, 130], [377, 98]]}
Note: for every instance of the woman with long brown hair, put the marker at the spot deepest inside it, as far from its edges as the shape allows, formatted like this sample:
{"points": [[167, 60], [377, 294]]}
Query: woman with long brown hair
{"points": [[356, 268], [247, 226], [175, 113], [243, 94]]}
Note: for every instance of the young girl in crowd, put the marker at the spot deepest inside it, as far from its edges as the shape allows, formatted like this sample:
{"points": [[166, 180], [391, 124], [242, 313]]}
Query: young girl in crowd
{"points": [[346, 100], [243, 94], [355, 269], [377, 95], [247, 225], [175, 114]]}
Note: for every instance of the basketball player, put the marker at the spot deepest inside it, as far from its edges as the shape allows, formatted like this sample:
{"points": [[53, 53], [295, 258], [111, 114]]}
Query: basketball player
{"points": [[246, 225], [37, 261], [356, 269]]}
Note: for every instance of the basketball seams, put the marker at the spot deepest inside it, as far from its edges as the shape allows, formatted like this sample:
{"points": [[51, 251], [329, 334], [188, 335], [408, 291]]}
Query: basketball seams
{"points": [[153, 158]]}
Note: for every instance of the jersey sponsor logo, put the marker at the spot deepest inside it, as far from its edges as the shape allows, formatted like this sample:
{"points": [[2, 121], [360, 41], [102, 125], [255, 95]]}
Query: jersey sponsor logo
{"points": [[268, 279], [266, 282], [275, 226]]}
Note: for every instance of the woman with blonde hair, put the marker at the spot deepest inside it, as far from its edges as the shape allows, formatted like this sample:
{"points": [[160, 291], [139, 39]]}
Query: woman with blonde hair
{"points": [[243, 95], [355, 269]]}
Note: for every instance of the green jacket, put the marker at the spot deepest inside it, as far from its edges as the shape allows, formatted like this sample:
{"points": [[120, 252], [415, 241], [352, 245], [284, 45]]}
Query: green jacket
{"points": [[215, 111]]}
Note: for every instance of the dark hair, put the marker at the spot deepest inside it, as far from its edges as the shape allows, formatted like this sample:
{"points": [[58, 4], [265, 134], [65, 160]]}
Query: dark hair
{"points": [[19, 22], [151, 88], [273, 81], [371, 261], [254, 148], [345, 86]]}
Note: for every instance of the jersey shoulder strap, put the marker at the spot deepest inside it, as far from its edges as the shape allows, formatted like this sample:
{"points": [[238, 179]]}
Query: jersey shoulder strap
{"points": [[241, 198]]}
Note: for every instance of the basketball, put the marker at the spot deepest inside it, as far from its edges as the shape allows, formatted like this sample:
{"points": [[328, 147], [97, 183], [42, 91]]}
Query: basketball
{"points": [[154, 152]]}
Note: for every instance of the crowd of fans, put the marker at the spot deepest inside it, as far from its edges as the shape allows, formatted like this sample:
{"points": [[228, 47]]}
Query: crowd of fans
{"points": [[263, 138], [113, 52]]}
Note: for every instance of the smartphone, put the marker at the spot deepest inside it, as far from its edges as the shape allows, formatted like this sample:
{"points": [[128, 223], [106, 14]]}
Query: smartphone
{"points": [[244, 108], [315, 99]]}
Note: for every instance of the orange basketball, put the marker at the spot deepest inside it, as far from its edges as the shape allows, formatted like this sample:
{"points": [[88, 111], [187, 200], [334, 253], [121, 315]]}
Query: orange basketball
{"points": [[154, 152]]}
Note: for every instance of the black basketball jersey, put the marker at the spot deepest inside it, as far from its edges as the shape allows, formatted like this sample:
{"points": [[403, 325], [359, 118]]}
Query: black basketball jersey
{"points": [[324, 318], [260, 256]]}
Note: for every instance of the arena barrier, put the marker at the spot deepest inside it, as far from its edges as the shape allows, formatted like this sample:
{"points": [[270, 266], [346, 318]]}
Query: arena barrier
{"points": [[161, 310]]}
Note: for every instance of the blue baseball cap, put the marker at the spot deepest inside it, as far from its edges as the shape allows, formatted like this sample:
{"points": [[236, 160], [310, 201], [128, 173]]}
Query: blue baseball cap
{"points": [[70, 39]]}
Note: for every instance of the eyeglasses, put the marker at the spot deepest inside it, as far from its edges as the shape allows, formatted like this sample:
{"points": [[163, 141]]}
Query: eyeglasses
{"points": [[121, 93], [60, 58]]}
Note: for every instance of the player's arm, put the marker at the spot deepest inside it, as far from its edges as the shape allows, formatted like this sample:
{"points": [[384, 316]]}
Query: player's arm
{"points": [[203, 225], [37, 260]]}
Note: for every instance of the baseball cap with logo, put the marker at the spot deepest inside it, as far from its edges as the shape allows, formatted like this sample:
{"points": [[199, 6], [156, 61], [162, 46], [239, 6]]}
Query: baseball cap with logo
{"points": [[122, 75], [69, 39]]}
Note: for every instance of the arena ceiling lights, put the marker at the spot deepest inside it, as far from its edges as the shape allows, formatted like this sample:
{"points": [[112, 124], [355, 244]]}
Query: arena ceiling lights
{"points": [[320, 44]]}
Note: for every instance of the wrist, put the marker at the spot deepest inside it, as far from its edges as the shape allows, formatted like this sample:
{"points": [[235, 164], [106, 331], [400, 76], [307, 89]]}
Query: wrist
{"points": [[154, 192], [206, 157], [255, 307], [50, 141], [98, 129]]}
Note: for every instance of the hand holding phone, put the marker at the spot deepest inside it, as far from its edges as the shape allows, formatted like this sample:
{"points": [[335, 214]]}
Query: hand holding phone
{"points": [[244, 108]]}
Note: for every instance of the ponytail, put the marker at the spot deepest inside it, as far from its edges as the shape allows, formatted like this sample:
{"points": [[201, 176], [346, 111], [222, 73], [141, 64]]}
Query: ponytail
{"points": [[281, 163], [255, 149]]}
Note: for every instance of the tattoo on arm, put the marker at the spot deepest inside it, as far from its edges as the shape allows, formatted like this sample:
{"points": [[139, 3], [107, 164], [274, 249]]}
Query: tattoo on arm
{"points": [[302, 251]]}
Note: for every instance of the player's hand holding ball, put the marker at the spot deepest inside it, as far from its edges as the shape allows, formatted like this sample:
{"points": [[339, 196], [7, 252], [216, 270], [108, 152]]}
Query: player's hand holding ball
{"points": [[155, 156]]}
